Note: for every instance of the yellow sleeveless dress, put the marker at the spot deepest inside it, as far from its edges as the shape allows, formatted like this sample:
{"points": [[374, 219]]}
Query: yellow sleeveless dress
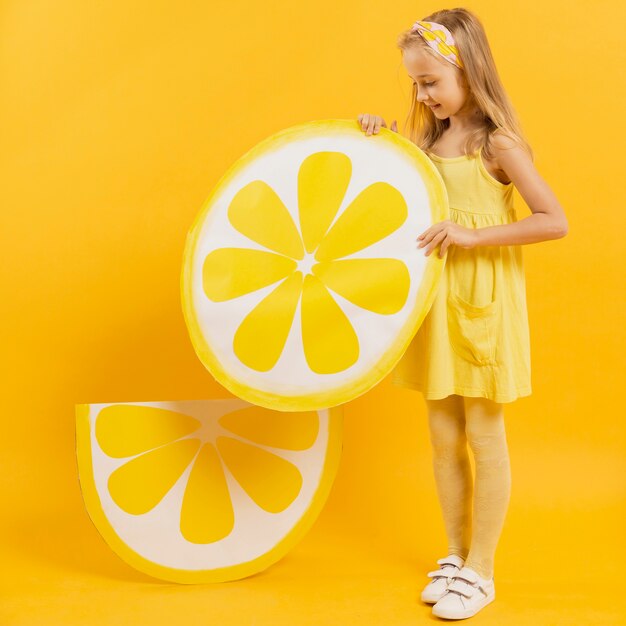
{"points": [[475, 339]]}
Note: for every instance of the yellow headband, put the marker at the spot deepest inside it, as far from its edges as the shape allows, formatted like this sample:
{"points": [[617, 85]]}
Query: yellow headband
{"points": [[440, 39]]}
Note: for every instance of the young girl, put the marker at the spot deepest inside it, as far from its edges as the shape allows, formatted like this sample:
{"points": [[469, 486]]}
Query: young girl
{"points": [[472, 352]]}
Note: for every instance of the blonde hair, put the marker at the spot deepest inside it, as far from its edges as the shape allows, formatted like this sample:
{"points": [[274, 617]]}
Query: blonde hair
{"points": [[482, 80]]}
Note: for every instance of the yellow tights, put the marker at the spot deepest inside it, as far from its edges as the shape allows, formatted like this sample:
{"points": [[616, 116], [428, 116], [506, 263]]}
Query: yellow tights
{"points": [[454, 422]]}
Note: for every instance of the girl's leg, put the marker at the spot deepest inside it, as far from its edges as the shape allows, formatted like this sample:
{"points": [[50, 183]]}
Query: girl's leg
{"points": [[453, 473], [492, 488]]}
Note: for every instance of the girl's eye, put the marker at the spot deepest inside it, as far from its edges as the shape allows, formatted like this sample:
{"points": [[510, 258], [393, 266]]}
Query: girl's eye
{"points": [[429, 84]]}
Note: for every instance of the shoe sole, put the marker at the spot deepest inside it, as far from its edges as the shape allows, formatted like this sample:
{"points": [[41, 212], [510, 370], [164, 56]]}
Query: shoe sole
{"points": [[463, 614]]}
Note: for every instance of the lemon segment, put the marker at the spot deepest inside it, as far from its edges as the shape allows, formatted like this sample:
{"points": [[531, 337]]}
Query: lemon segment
{"points": [[272, 228], [384, 292], [330, 343], [139, 485], [261, 337], [125, 430], [290, 431], [323, 180], [253, 270], [272, 482], [374, 214], [207, 513]]}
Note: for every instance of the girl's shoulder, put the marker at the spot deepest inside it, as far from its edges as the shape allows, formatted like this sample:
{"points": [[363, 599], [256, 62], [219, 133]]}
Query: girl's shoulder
{"points": [[499, 142], [502, 140]]}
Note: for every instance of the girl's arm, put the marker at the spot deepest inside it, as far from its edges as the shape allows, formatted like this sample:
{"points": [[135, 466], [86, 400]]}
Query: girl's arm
{"points": [[548, 220]]}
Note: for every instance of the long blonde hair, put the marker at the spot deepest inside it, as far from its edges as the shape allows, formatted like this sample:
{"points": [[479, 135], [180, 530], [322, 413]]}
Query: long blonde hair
{"points": [[482, 79]]}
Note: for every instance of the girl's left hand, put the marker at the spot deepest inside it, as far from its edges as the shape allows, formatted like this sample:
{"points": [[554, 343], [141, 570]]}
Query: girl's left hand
{"points": [[448, 233]]}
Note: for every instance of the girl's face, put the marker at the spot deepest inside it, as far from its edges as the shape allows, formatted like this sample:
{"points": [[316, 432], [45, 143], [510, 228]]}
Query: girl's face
{"points": [[440, 84]]}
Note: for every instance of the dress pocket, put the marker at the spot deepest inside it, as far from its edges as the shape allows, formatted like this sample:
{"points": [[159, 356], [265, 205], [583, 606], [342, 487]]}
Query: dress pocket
{"points": [[473, 329]]}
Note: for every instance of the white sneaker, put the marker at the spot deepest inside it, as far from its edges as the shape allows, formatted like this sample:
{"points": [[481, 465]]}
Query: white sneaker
{"points": [[436, 588], [465, 595]]}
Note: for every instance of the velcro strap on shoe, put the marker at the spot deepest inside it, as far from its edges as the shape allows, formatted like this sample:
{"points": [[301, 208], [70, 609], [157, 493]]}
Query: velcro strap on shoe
{"points": [[464, 588], [445, 573], [467, 574], [456, 561]]}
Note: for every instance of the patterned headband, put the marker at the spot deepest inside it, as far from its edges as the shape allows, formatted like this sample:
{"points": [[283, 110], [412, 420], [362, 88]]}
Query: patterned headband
{"points": [[440, 39]]}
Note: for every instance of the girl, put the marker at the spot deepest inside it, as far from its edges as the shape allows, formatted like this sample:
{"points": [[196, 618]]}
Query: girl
{"points": [[472, 352]]}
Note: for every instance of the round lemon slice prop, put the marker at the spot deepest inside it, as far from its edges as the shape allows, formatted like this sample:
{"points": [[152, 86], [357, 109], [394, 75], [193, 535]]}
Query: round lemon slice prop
{"points": [[302, 283], [205, 490]]}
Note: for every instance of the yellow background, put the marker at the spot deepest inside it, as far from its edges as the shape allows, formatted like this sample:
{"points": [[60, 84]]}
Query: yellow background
{"points": [[117, 119]]}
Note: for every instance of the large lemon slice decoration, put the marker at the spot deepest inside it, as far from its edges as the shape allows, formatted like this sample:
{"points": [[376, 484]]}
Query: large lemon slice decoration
{"points": [[205, 490], [302, 283]]}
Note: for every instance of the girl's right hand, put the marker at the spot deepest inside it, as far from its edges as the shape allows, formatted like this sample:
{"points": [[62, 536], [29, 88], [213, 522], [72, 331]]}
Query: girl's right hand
{"points": [[372, 123]]}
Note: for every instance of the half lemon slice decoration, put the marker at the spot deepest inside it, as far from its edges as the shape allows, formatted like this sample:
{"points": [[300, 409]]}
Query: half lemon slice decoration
{"points": [[205, 490], [302, 283]]}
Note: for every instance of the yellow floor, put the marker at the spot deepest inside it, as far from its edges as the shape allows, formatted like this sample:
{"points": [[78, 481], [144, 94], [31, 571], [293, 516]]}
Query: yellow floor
{"points": [[559, 560], [335, 576]]}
